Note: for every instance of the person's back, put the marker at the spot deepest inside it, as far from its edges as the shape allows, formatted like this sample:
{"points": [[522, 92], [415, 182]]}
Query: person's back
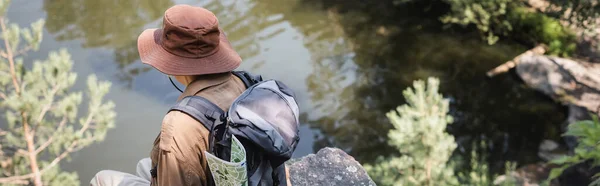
{"points": [[178, 149], [192, 48]]}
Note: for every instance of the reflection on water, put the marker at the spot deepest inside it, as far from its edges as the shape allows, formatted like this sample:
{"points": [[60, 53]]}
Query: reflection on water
{"points": [[348, 61], [244, 20], [112, 24]]}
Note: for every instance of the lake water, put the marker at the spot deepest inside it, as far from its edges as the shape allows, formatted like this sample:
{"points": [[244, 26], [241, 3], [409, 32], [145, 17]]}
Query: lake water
{"points": [[348, 63]]}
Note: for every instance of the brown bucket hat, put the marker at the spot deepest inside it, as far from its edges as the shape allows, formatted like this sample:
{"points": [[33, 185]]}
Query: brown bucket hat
{"points": [[190, 43]]}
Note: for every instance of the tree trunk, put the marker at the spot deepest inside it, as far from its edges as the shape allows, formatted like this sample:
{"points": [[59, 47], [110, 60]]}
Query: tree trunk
{"points": [[35, 169]]}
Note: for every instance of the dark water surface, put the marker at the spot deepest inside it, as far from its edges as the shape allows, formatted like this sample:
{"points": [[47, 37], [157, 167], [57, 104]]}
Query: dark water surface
{"points": [[347, 61]]}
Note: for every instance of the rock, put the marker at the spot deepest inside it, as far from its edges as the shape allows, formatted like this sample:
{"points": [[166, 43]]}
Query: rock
{"points": [[330, 166], [548, 145], [549, 150], [565, 80]]}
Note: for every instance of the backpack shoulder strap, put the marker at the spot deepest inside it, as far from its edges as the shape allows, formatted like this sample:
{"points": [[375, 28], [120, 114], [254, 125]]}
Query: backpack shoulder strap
{"points": [[200, 109], [248, 78]]}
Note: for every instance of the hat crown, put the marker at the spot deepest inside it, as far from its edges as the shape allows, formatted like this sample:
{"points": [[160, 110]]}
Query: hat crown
{"points": [[191, 32]]}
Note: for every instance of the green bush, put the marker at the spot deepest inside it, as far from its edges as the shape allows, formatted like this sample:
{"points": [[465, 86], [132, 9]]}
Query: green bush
{"points": [[588, 148], [420, 137], [534, 28], [488, 16], [426, 149], [479, 173], [511, 19]]}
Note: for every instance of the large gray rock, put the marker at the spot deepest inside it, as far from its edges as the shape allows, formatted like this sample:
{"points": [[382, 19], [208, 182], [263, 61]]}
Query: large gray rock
{"points": [[330, 166], [568, 81]]}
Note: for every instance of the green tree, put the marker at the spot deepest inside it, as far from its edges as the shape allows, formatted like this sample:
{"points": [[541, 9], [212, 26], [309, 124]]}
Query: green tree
{"points": [[43, 124], [426, 148], [420, 137]]}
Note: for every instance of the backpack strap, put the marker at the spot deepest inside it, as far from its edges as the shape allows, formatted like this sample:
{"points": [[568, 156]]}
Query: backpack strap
{"points": [[279, 174], [248, 78], [205, 112], [199, 108]]}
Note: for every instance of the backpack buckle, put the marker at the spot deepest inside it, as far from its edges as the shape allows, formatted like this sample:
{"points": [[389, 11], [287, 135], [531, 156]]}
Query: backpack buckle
{"points": [[153, 172]]}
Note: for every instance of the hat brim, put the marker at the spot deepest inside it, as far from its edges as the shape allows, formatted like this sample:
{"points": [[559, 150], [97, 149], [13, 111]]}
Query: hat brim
{"points": [[152, 53]]}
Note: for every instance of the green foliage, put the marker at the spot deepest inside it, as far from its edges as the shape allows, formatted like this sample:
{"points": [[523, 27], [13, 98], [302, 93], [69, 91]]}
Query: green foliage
{"points": [[420, 137], [588, 134], [534, 28], [509, 168], [43, 121], [508, 178], [488, 16], [511, 19], [479, 174], [56, 177]]}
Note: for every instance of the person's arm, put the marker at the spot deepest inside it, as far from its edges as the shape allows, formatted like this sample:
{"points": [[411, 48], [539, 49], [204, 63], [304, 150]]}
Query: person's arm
{"points": [[172, 171]]}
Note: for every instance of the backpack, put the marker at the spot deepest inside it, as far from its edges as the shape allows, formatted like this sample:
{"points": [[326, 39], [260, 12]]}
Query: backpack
{"points": [[264, 118]]}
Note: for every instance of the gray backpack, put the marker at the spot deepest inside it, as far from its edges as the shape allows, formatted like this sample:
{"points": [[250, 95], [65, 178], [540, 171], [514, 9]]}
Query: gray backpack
{"points": [[264, 118]]}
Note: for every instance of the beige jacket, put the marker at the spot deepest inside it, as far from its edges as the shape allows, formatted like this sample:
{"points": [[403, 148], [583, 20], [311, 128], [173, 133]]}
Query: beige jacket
{"points": [[178, 148]]}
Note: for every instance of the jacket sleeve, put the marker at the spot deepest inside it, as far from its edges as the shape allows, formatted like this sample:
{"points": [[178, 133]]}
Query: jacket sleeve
{"points": [[171, 171], [179, 157]]}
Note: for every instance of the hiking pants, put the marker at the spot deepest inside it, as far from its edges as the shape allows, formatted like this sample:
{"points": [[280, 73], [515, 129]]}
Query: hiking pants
{"points": [[116, 178]]}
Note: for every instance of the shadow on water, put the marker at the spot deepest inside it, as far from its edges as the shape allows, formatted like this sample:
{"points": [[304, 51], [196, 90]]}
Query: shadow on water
{"points": [[394, 45]]}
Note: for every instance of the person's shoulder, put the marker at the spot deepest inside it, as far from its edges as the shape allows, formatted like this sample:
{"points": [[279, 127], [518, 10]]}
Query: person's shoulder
{"points": [[180, 120], [178, 126]]}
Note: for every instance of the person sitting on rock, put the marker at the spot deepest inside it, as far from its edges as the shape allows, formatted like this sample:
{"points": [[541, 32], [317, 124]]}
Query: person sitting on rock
{"points": [[204, 64]]}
